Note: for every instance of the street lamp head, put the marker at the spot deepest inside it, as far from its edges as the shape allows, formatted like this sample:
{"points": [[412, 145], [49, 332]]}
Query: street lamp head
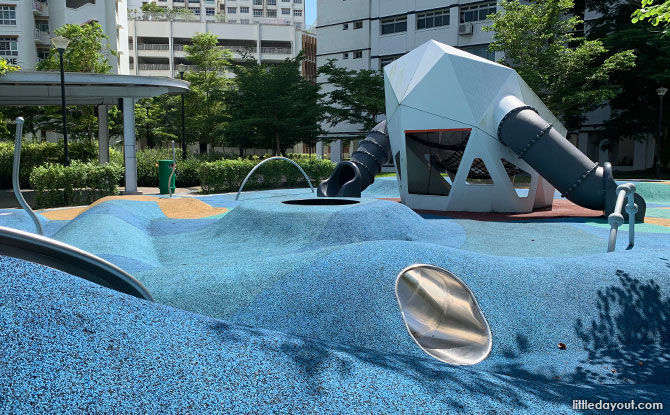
{"points": [[181, 68], [661, 91], [60, 42]]}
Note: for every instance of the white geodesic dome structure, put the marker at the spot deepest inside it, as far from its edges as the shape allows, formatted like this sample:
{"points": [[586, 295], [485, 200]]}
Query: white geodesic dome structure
{"points": [[440, 109]]}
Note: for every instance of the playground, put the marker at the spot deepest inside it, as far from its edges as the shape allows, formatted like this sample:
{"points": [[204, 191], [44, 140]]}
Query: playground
{"points": [[280, 301]]}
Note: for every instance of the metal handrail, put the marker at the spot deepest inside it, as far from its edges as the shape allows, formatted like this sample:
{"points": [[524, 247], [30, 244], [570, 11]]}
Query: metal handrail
{"points": [[616, 219], [265, 161], [15, 176], [69, 259]]}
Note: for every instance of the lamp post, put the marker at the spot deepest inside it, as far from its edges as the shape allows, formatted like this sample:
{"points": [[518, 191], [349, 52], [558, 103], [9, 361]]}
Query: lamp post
{"points": [[60, 43], [181, 68], [661, 92]]}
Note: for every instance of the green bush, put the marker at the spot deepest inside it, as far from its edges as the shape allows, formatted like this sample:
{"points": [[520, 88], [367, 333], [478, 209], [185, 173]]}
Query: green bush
{"points": [[78, 184], [227, 175], [186, 174], [36, 154]]}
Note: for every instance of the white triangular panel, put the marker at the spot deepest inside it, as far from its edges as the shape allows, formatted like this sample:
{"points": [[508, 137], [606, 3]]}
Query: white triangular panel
{"points": [[391, 99], [440, 93], [401, 71], [431, 56]]}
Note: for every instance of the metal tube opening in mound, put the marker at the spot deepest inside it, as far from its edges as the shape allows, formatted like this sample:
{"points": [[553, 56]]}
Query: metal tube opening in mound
{"points": [[442, 315], [321, 201]]}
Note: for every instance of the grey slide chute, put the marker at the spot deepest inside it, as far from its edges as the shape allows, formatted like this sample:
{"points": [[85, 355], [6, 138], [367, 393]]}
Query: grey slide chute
{"points": [[350, 178], [570, 171], [69, 259]]}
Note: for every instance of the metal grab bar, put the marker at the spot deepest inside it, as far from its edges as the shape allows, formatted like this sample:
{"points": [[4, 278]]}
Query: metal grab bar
{"points": [[69, 259], [615, 219], [15, 176], [274, 158]]}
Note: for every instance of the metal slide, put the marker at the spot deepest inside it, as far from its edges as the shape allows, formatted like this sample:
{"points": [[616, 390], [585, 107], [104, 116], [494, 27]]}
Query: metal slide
{"points": [[67, 258], [350, 178], [570, 171]]}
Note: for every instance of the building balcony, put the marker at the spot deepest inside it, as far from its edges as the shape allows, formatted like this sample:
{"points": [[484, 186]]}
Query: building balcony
{"points": [[40, 8], [42, 37], [276, 51], [154, 66], [153, 46]]}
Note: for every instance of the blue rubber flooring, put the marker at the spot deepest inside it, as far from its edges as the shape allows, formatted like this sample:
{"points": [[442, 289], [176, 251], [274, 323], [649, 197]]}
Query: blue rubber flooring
{"points": [[276, 308]]}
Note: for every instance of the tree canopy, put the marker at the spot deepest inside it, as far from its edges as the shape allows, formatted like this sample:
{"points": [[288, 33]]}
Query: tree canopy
{"points": [[357, 97], [656, 14], [570, 74], [273, 106], [88, 50]]}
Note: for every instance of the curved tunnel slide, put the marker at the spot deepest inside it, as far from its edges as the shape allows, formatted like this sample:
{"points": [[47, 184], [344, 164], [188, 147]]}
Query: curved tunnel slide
{"points": [[570, 171], [350, 178], [67, 258]]}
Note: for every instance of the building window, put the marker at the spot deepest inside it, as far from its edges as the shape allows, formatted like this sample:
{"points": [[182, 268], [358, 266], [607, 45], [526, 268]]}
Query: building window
{"points": [[210, 11], [477, 12], [358, 25], [245, 21], [272, 2], [297, 1], [394, 25], [272, 13], [386, 60], [244, 10], [286, 12], [8, 15], [195, 10], [345, 26], [42, 53], [9, 46], [481, 51], [345, 55], [432, 19], [258, 2], [358, 54], [258, 12], [232, 10], [297, 13]]}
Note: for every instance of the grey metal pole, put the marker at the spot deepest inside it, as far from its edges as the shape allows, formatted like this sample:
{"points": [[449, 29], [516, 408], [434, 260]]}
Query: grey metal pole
{"points": [[183, 124], [16, 168], [62, 94], [659, 138]]}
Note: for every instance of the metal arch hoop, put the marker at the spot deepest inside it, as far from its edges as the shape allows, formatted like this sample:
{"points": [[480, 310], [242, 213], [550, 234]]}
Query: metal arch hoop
{"points": [[270, 159]]}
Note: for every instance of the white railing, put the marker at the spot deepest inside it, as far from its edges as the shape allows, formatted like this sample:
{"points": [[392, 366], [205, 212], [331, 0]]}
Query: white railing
{"points": [[270, 159], [616, 219], [153, 46], [42, 36], [37, 6], [154, 66], [276, 51]]}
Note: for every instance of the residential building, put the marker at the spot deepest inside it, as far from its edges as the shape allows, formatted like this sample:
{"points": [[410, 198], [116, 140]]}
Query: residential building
{"points": [[369, 34], [26, 27], [266, 30]]}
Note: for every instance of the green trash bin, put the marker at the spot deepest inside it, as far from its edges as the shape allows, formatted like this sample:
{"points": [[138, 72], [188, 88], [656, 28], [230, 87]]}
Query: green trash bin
{"points": [[164, 172]]}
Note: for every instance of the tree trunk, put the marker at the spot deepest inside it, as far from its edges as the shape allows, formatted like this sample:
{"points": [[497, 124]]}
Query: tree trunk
{"points": [[278, 148], [241, 152]]}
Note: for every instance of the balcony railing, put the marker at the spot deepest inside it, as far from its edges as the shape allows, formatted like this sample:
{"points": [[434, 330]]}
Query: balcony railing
{"points": [[154, 66], [153, 46], [42, 36], [276, 51], [38, 6]]}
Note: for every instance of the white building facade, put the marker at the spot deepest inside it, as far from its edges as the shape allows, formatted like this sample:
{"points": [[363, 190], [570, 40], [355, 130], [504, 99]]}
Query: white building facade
{"points": [[369, 34], [26, 27], [265, 30]]}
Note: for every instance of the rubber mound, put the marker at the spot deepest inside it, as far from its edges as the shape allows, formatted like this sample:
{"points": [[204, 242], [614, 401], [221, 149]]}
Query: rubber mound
{"points": [[104, 352]]}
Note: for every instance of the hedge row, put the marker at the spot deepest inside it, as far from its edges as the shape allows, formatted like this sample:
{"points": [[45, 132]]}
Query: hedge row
{"points": [[78, 184], [36, 154], [227, 175]]}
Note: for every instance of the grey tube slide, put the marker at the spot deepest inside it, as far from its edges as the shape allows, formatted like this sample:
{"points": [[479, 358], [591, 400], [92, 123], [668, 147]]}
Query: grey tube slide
{"points": [[350, 178], [67, 258], [563, 165]]}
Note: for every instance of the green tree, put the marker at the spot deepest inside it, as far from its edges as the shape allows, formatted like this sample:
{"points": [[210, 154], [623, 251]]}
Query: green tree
{"points": [[273, 106], [5, 132], [158, 120], [569, 73], [204, 102], [655, 13], [357, 97], [6, 67]]}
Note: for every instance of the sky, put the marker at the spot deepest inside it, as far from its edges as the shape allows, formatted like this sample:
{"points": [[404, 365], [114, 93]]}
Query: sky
{"points": [[310, 11]]}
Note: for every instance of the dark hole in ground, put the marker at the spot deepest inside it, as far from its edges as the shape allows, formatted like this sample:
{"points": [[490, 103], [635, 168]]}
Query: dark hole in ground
{"points": [[321, 201]]}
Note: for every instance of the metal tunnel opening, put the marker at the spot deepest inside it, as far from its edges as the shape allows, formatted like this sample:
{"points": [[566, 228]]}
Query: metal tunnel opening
{"points": [[322, 201], [442, 315]]}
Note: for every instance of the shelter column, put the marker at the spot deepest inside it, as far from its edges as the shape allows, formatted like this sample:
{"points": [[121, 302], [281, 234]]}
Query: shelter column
{"points": [[129, 151], [336, 151], [103, 134], [319, 149]]}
